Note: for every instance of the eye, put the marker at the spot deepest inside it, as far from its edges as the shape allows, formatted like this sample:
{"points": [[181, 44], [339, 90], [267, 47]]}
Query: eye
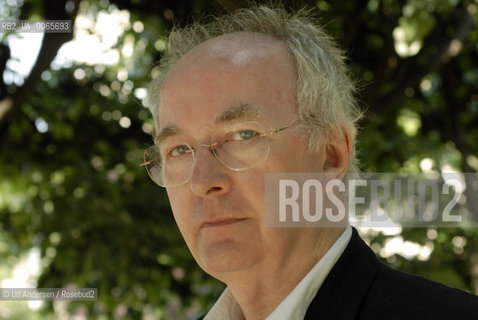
{"points": [[242, 135], [179, 151]]}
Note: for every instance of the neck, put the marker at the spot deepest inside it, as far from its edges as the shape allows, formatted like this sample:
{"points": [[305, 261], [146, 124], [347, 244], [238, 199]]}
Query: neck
{"points": [[261, 288]]}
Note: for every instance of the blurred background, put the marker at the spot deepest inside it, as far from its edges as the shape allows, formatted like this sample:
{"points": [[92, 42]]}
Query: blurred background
{"points": [[77, 210]]}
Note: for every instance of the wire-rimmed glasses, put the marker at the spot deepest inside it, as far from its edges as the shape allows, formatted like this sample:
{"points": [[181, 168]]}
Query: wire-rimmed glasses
{"points": [[238, 147]]}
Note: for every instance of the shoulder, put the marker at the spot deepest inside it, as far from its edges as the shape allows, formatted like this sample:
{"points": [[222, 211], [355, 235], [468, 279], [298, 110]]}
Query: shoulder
{"points": [[395, 292], [359, 286]]}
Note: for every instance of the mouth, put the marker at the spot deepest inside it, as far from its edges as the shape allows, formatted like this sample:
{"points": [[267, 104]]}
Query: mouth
{"points": [[220, 223]]}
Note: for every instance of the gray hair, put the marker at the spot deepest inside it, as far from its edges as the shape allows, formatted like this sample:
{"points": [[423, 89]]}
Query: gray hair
{"points": [[325, 93]]}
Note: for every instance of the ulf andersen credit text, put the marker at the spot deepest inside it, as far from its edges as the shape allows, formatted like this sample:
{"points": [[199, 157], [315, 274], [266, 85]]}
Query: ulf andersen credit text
{"points": [[78, 294]]}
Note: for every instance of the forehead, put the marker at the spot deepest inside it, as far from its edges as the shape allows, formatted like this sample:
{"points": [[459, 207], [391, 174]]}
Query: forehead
{"points": [[226, 72], [237, 49]]}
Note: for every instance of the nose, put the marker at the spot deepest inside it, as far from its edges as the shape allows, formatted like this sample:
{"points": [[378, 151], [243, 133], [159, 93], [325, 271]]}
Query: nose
{"points": [[209, 177]]}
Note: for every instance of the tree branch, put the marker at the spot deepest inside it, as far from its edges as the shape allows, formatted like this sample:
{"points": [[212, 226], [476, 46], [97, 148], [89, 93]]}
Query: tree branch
{"points": [[50, 45]]}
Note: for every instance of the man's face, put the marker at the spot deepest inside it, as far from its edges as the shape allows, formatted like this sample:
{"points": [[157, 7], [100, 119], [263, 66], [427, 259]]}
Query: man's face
{"points": [[220, 212]]}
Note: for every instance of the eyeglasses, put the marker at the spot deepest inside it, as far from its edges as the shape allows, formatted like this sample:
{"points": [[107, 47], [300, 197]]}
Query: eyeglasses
{"points": [[239, 147]]}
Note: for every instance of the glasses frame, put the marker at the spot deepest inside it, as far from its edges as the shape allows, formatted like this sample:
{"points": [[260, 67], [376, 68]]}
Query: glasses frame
{"points": [[211, 146]]}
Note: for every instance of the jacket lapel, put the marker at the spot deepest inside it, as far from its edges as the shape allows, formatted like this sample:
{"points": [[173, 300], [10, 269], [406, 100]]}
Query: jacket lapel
{"points": [[344, 289]]}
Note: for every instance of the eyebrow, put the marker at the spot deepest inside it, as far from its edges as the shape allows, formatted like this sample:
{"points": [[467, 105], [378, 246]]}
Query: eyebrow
{"points": [[241, 112], [166, 132]]}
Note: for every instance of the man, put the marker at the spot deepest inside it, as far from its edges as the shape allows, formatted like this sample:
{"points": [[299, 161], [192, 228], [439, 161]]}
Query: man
{"points": [[258, 91]]}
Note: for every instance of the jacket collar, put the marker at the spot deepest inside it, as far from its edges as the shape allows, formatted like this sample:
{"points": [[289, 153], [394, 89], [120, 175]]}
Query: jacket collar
{"points": [[344, 289]]}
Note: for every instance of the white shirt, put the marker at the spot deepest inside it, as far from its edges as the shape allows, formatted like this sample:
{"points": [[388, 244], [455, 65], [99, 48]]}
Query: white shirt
{"points": [[295, 305]]}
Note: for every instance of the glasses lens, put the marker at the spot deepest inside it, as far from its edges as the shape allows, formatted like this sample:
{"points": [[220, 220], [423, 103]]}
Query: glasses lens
{"points": [[152, 160], [241, 146], [172, 169], [238, 147]]}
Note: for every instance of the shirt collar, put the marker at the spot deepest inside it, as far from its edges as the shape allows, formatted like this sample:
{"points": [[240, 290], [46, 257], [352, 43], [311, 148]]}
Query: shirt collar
{"points": [[226, 307], [295, 305]]}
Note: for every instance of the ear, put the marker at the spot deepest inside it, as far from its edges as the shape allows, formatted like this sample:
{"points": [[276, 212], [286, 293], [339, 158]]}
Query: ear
{"points": [[338, 150]]}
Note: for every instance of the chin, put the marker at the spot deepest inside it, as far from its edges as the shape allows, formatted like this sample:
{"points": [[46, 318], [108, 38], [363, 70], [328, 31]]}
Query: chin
{"points": [[227, 256]]}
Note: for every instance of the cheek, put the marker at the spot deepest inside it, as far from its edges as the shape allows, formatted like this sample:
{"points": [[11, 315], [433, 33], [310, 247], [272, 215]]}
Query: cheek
{"points": [[179, 206], [295, 156], [182, 209], [251, 184]]}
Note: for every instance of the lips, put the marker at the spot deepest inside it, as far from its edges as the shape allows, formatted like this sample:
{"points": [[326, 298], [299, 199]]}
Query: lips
{"points": [[220, 222]]}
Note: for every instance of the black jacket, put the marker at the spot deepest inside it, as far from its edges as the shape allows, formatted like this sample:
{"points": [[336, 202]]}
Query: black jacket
{"points": [[360, 287]]}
